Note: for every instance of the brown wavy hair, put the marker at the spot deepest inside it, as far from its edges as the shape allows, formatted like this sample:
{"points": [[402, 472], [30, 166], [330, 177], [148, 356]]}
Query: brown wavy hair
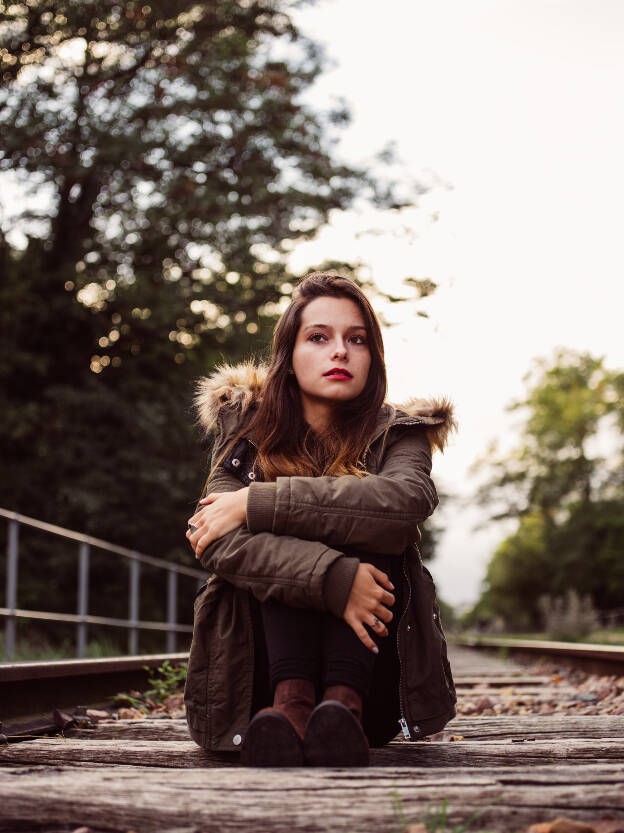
{"points": [[286, 444]]}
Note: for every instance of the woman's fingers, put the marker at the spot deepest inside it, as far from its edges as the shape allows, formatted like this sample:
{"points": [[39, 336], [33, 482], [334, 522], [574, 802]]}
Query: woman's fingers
{"points": [[378, 626], [381, 578], [383, 613], [363, 635], [386, 598], [360, 631]]}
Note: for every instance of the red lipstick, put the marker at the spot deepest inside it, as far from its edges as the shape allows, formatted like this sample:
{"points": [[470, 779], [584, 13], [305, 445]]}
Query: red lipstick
{"points": [[339, 373]]}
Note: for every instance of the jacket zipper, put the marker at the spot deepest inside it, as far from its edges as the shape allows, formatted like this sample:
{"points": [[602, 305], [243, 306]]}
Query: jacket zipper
{"points": [[402, 721]]}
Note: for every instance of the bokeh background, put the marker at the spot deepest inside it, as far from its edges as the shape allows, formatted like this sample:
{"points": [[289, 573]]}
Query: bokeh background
{"points": [[169, 170]]}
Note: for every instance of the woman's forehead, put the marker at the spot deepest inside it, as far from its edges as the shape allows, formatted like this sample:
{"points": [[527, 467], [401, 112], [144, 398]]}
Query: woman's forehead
{"points": [[332, 312]]}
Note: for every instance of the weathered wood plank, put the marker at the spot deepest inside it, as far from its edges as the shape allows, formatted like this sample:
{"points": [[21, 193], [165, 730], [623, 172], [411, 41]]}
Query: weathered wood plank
{"points": [[471, 728], [462, 681], [283, 801], [185, 754], [135, 729], [538, 726], [529, 693]]}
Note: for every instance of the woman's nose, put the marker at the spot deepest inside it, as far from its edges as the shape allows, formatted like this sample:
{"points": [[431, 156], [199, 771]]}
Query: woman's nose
{"points": [[340, 350]]}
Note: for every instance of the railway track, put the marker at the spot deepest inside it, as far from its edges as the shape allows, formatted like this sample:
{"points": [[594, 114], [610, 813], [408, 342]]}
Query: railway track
{"points": [[600, 659], [146, 775]]}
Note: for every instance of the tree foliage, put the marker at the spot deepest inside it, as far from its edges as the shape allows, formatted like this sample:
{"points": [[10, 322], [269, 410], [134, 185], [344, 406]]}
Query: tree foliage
{"points": [[567, 498], [171, 167]]}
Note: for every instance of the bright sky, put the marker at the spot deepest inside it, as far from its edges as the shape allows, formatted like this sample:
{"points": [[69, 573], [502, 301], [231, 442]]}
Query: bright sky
{"points": [[519, 107]]}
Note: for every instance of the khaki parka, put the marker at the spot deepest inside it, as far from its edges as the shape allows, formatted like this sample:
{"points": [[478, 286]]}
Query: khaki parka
{"points": [[292, 549]]}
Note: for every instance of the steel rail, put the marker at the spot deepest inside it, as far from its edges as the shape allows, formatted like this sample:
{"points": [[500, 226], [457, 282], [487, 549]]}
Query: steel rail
{"points": [[604, 658], [12, 671], [32, 688]]}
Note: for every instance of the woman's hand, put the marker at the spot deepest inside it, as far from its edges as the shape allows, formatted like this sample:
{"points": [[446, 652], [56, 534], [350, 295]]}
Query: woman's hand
{"points": [[367, 602], [221, 513]]}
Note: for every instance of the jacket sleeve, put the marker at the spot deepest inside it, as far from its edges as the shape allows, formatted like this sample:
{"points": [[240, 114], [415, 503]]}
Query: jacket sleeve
{"points": [[299, 573], [378, 513]]}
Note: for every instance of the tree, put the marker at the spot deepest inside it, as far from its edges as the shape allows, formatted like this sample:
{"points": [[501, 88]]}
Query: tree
{"points": [[174, 167], [567, 499]]}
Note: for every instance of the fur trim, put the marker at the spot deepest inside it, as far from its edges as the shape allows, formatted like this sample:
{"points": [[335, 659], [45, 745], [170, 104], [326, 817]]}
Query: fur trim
{"points": [[228, 385], [242, 384], [441, 413]]}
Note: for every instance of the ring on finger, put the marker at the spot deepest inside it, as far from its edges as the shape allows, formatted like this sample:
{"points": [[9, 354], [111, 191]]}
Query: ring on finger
{"points": [[192, 527], [376, 622]]}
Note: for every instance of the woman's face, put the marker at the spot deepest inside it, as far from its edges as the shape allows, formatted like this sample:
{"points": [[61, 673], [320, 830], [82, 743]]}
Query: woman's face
{"points": [[331, 357]]}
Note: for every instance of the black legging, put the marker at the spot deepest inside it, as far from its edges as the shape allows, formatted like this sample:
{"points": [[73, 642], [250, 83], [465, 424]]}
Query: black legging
{"points": [[292, 643]]}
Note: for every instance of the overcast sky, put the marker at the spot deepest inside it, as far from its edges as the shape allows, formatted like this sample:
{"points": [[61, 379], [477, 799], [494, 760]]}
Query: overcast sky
{"points": [[515, 110], [519, 107]]}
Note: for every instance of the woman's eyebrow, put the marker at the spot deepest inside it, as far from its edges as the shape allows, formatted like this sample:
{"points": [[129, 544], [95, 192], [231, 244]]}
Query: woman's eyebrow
{"points": [[327, 327]]}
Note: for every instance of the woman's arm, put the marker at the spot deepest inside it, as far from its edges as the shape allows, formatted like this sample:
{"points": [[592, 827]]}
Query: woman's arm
{"points": [[377, 513], [296, 572]]}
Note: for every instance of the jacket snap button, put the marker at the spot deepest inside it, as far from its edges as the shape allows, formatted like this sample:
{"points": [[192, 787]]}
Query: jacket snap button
{"points": [[236, 464], [409, 627], [237, 740], [251, 476]]}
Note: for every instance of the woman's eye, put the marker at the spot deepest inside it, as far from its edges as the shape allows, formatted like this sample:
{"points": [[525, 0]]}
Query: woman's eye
{"points": [[316, 337], [358, 340]]}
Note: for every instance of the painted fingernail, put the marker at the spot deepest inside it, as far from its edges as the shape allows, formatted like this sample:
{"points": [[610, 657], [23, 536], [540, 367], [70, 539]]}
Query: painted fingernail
{"points": [[375, 650], [391, 585]]}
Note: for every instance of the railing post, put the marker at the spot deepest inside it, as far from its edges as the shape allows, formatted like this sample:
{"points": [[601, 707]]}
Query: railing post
{"points": [[83, 599], [133, 632], [172, 609], [11, 587]]}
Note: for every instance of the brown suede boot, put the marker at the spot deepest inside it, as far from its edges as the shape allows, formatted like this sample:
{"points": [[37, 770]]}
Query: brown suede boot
{"points": [[334, 735], [274, 736]]}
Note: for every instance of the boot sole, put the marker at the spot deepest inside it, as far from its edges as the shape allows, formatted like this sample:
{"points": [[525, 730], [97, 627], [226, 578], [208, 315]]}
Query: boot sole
{"points": [[271, 740], [334, 737]]}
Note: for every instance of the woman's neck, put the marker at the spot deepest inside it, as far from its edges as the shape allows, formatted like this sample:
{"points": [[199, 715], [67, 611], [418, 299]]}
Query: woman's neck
{"points": [[317, 414]]}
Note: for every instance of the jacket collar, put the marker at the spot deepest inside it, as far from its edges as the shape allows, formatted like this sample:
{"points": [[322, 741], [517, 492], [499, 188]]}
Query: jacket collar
{"points": [[232, 389]]}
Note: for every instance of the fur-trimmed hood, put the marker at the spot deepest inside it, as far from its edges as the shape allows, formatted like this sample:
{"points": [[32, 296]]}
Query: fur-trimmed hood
{"points": [[241, 385]]}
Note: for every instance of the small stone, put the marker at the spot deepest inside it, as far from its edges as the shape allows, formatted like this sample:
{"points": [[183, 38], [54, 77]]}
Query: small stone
{"points": [[416, 828], [130, 714], [569, 826], [585, 698], [604, 691], [98, 714], [562, 825], [609, 826], [174, 701], [82, 830]]}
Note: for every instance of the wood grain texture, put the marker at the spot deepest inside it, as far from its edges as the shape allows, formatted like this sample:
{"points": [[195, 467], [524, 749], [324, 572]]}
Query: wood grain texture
{"points": [[186, 755], [283, 801], [471, 728]]}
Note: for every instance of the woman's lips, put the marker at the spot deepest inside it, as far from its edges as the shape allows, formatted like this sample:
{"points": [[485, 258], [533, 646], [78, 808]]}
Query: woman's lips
{"points": [[338, 375]]}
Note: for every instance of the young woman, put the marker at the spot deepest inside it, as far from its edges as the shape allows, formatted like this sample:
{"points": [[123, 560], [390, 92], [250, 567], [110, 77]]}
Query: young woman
{"points": [[319, 621]]}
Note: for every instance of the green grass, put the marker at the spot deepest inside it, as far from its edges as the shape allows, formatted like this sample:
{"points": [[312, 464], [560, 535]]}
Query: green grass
{"points": [[436, 820]]}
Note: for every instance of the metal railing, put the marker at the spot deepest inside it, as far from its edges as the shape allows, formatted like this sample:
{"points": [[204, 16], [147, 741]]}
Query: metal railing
{"points": [[81, 618]]}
